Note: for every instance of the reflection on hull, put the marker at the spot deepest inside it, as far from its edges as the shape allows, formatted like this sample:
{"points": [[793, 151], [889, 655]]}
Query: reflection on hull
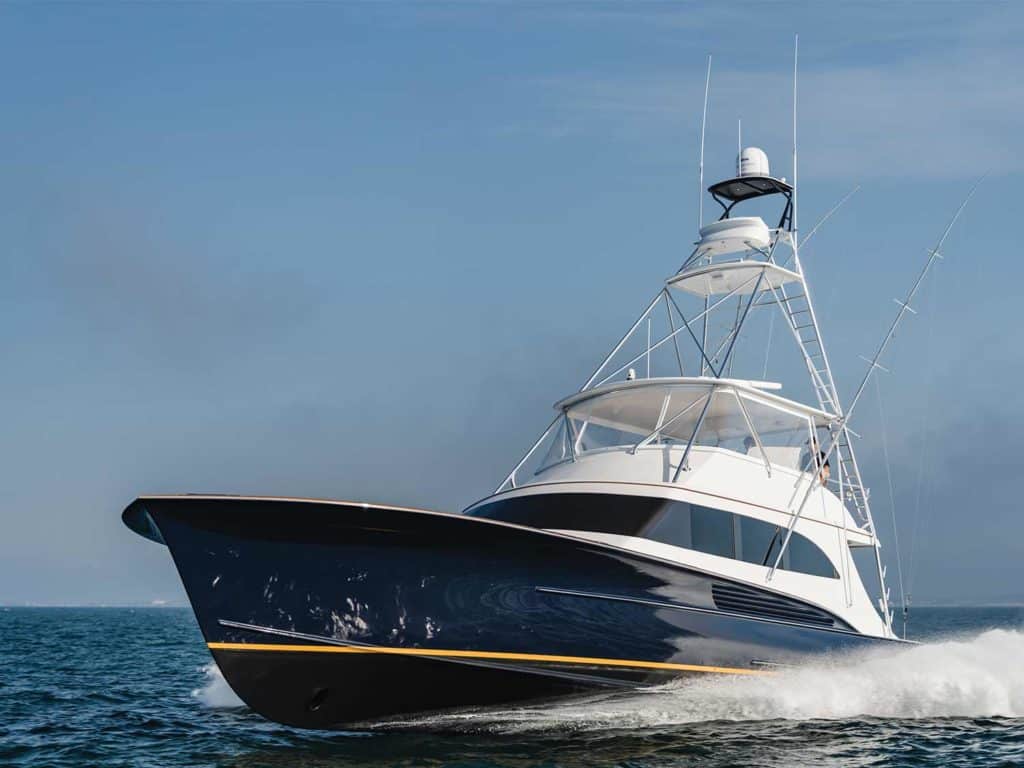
{"points": [[321, 614]]}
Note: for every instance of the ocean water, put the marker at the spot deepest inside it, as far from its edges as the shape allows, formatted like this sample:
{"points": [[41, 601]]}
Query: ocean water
{"points": [[135, 687]]}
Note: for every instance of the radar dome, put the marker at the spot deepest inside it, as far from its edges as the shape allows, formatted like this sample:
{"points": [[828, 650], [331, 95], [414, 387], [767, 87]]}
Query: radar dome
{"points": [[752, 162]]}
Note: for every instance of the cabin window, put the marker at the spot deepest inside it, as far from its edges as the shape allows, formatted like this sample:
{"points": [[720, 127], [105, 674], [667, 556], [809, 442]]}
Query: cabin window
{"points": [[672, 526], [678, 523], [758, 541], [598, 512], [805, 557], [712, 531], [722, 533]]}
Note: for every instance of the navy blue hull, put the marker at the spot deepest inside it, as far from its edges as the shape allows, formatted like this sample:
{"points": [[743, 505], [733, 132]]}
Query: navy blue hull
{"points": [[321, 614]]}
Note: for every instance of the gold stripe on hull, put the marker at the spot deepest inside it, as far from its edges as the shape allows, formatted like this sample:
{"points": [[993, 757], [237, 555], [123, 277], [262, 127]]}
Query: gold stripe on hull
{"points": [[493, 655]]}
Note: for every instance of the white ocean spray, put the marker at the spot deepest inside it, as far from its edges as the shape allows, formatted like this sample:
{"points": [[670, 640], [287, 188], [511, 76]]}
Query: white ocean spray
{"points": [[977, 676], [216, 693]]}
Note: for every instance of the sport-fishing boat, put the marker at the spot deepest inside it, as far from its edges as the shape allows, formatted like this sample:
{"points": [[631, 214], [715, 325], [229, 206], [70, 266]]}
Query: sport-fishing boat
{"points": [[678, 517]]}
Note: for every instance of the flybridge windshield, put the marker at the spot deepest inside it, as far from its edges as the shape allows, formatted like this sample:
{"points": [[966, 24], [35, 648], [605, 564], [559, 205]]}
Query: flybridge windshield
{"points": [[648, 413]]}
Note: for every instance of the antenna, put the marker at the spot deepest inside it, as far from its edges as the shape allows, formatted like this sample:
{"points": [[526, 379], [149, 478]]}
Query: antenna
{"points": [[796, 50], [739, 146], [703, 124]]}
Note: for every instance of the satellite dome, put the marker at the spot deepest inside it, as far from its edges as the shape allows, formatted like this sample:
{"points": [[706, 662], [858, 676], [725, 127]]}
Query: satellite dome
{"points": [[752, 162]]}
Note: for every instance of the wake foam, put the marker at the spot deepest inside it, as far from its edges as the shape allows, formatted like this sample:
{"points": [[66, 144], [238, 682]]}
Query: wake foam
{"points": [[980, 676], [216, 693]]}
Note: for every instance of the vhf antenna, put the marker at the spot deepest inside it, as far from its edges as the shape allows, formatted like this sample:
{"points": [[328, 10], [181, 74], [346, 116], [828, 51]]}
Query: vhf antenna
{"points": [[703, 125], [796, 52]]}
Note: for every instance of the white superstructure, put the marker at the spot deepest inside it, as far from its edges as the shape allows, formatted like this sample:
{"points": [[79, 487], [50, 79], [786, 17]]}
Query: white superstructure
{"points": [[671, 414]]}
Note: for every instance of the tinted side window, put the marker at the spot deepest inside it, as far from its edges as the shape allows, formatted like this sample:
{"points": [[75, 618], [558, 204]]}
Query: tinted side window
{"points": [[599, 512], [805, 557], [735, 536], [712, 531], [756, 538], [671, 522], [672, 526]]}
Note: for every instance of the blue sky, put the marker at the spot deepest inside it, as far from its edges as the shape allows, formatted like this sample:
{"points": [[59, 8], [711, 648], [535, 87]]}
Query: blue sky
{"points": [[357, 251]]}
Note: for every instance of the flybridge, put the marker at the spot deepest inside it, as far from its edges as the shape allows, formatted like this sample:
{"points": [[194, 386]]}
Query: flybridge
{"points": [[674, 376], [696, 411], [673, 382]]}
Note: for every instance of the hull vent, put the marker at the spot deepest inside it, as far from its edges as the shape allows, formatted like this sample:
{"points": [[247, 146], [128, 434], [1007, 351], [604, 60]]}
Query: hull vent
{"points": [[754, 602]]}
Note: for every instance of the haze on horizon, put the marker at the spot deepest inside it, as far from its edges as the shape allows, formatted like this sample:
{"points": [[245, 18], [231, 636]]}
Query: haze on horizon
{"points": [[357, 251]]}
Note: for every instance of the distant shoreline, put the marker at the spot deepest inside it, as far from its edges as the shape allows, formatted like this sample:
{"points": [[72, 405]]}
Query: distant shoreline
{"points": [[118, 606]]}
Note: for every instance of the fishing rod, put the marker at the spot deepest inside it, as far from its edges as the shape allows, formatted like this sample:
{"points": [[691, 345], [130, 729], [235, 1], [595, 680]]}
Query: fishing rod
{"points": [[828, 215], [840, 425]]}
